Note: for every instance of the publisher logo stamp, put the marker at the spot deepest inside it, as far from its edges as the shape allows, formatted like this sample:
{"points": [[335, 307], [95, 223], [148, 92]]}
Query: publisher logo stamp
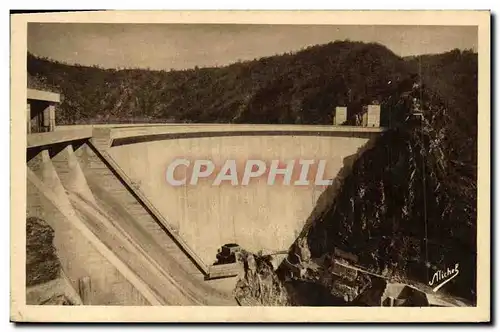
{"points": [[301, 172], [442, 277]]}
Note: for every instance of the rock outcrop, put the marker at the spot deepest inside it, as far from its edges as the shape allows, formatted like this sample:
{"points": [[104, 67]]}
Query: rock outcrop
{"points": [[408, 208], [42, 263], [259, 285]]}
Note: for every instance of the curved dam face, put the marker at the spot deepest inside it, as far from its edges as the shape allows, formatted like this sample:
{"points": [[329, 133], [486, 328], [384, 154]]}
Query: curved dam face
{"points": [[209, 210]]}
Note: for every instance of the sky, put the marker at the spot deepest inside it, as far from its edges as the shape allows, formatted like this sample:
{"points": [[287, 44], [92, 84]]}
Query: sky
{"points": [[180, 46]]}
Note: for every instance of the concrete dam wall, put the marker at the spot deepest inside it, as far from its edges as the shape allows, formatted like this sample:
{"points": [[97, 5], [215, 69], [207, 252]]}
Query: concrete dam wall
{"points": [[258, 215], [140, 239]]}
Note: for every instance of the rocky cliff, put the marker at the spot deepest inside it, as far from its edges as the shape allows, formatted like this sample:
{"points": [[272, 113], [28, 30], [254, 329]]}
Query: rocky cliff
{"points": [[408, 207]]}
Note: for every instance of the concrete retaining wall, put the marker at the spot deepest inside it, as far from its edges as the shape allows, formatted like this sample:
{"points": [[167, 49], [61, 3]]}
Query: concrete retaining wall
{"points": [[257, 216], [118, 177]]}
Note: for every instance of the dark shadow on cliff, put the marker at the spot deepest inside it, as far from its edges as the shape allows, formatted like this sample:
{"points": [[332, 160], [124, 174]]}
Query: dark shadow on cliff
{"points": [[327, 198], [406, 206], [401, 219]]}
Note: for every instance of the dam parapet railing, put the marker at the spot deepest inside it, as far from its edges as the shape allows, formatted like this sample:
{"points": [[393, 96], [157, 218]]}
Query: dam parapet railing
{"points": [[132, 133], [121, 134]]}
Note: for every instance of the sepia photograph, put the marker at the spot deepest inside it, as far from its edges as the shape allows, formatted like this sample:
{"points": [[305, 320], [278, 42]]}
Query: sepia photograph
{"points": [[298, 161]]}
